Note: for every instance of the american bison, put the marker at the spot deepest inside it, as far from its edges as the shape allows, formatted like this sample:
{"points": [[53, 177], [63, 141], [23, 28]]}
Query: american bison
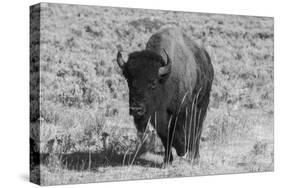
{"points": [[169, 85]]}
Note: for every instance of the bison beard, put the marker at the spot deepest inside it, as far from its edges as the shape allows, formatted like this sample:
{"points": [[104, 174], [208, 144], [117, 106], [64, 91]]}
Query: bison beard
{"points": [[172, 78]]}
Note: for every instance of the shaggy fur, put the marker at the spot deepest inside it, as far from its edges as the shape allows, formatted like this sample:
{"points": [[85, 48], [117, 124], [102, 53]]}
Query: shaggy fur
{"points": [[175, 103]]}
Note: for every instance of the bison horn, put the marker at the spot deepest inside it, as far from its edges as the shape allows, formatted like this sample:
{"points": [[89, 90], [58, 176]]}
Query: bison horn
{"points": [[120, 60], [167, 68]]}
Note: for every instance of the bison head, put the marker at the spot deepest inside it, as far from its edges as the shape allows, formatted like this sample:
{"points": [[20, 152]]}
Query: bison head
{"points": [[146, 73]]}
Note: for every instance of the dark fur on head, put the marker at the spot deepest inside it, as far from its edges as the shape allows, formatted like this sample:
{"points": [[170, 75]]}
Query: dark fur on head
{"points": [[147, 54], [145, 86]]}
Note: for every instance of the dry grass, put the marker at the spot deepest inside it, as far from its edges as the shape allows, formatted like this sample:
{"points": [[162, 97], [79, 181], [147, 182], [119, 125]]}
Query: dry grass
{"points": [[84, 95]]}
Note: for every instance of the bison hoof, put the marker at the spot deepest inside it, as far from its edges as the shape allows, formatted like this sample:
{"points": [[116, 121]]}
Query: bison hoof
{"points": [[164, 165], [168, 159]]}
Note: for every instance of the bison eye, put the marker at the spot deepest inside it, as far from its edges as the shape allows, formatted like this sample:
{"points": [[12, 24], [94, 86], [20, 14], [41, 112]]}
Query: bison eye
{"points": [[153, 84]]}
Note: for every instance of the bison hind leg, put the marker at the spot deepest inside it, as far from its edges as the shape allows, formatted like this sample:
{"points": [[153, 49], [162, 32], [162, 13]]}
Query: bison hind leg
{"points": [[197, 127]]}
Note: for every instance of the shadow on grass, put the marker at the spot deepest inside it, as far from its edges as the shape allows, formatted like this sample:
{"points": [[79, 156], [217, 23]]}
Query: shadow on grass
{"points": [[80, 160]]}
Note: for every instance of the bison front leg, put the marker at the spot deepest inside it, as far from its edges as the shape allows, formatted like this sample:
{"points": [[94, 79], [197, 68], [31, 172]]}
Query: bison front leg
{"points": [[168, 157], [162, 129]]}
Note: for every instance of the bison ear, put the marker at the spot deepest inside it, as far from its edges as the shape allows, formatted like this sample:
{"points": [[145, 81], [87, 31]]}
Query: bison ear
{"points": [[165, 70], [120, 60]]}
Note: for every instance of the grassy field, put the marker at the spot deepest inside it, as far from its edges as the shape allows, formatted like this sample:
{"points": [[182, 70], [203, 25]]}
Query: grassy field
{"points": [[84, 97]]}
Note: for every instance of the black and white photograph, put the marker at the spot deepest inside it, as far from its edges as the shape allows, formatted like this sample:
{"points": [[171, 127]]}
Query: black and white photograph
{"points": [[131, 94]]}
